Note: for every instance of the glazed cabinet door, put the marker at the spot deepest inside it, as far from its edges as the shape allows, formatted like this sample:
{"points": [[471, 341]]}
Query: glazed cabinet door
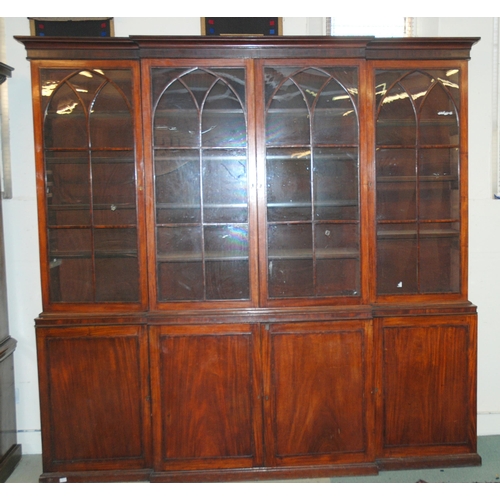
{"points": [[200, 155], [421, 173], [88, 125], [94, 398], [309, 178], [206, 399], [318, 401], [427, 379]]}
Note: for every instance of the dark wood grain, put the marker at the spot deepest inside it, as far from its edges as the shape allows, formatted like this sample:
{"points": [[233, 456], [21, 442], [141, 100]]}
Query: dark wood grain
{"points": [[317, 392], [205, 379], [428, 369], [100, 395]]}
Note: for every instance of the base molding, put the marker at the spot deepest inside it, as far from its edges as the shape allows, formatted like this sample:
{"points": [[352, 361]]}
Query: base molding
{"points": [[104, 476], [430, 462], [9, 462], [263, 473]]}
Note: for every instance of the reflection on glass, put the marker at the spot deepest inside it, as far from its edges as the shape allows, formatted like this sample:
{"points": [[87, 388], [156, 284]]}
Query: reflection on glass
{"points": [[335, 184], [225, 185], [226, 256], [177, 184], [111, 123], [289, 184]]}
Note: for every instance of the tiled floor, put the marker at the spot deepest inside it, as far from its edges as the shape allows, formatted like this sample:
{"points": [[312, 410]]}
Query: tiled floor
{"points": [[30, 468]]}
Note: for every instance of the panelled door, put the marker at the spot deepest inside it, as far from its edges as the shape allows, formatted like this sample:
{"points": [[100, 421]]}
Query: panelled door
{"points": [[318, 398]]}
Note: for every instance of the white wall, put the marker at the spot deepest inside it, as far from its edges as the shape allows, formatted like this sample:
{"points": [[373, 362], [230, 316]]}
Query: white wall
{"points": [[484, 211], [20, 220]]}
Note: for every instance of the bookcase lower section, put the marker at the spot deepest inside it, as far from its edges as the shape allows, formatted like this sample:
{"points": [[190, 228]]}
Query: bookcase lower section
{"points": [[221, 399]]}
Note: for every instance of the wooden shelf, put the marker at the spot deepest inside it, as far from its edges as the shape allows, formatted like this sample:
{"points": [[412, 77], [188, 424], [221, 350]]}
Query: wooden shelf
{"points": [[402, 234], [419, 178]]}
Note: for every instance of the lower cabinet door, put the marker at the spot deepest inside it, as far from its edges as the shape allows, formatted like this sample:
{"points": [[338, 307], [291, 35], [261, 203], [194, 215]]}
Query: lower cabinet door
{"points": [[94, 398], [206, 403], [318, 393], [427, 378]]}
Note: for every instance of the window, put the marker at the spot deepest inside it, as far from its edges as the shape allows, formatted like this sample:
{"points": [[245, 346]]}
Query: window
{"points": [[381, 26]]}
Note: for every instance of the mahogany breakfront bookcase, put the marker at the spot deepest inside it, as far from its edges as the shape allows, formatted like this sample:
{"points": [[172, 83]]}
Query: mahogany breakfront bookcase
{"points": [[253, 257]]}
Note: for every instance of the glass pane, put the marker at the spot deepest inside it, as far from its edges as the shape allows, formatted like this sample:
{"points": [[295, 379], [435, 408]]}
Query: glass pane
{"points": [[71, 280], [336, 241], [161, 81], [116, 279], [225, 186], [397, 200], [336, 184], [179, 243], [287, 119], [68, 188], [117, 272], [177, 183], [397, 257], [439, 187], [87, 84], [450, 78], [176, 118], [416, 84], [291, 271], [336, 277], [70, 242], [226, 256], [111, 123], [335, 120], [180, 281], [227, 279], [70, 263], [223, 120], [180, 263], [337, 259], [396, 184], [396, 165], [289, 184], [65, 120], [439, 258], [199, 82], [113, 188], [226, 242], [115, 242], [396, 121], [291, 278], [438, 118]]}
